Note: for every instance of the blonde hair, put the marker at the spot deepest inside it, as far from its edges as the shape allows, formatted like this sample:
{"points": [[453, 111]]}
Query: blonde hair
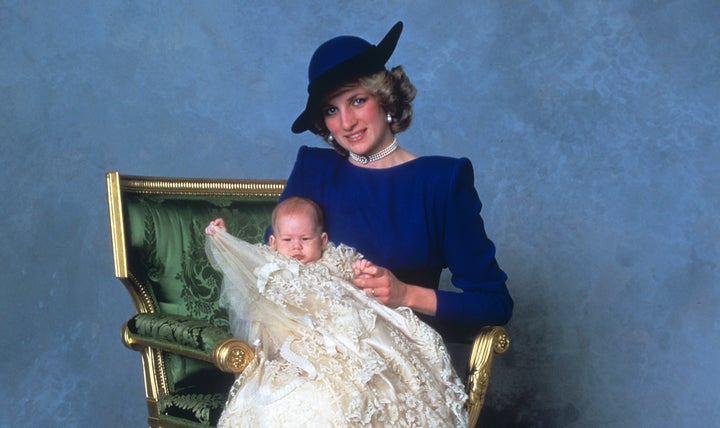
{"points": [[299, 204]]}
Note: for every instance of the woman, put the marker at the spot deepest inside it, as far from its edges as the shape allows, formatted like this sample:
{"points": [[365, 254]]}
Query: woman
{"points": [[413, 216]]}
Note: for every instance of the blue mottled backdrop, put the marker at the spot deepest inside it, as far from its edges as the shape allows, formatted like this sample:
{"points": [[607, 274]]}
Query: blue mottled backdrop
{"points": [[593, 127]]}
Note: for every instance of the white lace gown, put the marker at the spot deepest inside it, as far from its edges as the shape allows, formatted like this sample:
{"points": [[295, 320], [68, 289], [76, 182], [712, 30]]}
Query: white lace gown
{"points": [[328, 355]]}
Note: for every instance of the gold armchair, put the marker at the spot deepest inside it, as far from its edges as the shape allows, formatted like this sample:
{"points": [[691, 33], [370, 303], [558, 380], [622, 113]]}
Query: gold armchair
{"points": [[189, 358]]}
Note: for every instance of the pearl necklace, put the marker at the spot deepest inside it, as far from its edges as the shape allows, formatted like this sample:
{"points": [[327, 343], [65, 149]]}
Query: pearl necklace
{"points": [[377, 156]]}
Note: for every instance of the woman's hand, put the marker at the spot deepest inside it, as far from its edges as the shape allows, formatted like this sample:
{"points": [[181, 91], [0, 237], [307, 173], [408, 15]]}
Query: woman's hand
{"points": [[380, 283], [214, 226]]}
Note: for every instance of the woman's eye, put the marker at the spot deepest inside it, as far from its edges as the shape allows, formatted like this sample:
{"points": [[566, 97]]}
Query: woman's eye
{"points": [[358, 101], [330, 111]]}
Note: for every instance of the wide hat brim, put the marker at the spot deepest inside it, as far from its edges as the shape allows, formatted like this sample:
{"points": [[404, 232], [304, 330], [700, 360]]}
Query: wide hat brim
{"points": [[369, 61]]}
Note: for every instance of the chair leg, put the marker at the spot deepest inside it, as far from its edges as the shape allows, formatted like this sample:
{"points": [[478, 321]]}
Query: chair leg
{"points": [[490, 340]]}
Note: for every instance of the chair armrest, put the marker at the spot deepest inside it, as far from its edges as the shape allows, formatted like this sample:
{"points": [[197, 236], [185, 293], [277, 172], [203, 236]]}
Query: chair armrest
{"points": [[189, 337], [490, 340]]}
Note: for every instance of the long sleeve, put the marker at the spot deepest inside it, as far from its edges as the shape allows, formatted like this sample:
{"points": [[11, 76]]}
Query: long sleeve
{"points": [[470, 256]]}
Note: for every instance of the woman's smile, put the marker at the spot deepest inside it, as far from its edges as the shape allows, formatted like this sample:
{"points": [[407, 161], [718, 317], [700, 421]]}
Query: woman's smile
{"points": [[354, 138]]}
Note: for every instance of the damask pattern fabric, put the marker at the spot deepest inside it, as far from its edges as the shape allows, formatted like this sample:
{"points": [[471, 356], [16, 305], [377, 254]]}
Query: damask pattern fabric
{"points": [[327, 354]]}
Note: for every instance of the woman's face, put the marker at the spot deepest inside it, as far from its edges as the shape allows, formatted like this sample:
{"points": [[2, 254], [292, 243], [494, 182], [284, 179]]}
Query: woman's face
{"points": [[356, 120]]}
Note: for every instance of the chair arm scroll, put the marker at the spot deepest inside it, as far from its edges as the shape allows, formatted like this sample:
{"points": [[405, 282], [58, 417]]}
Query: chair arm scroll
{"points": [[188, 337], [490, 340], [233, 355]]}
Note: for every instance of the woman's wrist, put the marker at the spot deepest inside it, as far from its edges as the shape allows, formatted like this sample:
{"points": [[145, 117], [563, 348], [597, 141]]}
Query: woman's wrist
{"points": [[421, 299]]}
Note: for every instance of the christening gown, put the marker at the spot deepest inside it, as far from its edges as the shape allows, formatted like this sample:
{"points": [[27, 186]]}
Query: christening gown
{"points": [[327, 354]]}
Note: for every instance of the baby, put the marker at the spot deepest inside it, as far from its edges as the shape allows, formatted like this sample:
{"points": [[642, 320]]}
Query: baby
{"points": [[327, 353]]}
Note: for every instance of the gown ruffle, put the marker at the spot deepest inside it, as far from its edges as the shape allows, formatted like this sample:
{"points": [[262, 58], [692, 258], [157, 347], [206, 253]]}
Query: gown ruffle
{"points": [[328, 355]]}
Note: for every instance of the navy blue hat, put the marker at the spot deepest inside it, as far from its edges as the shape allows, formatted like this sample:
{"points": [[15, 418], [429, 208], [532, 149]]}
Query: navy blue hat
{"points": [[340, 60]]}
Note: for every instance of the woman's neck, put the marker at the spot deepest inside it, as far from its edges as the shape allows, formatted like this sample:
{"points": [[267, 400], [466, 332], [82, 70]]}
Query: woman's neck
{"points": [[397, 157]]}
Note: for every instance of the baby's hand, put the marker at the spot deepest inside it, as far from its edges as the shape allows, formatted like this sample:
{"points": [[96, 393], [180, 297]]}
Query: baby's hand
{"points": [[214, 226], [360, 268]]}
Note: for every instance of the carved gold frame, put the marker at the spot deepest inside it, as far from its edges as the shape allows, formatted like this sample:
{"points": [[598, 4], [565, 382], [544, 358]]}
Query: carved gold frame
{"points": [[489, 341]]}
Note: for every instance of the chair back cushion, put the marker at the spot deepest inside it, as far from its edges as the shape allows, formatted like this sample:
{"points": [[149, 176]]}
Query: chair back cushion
{"points": [[167, 254], [167, 249]]}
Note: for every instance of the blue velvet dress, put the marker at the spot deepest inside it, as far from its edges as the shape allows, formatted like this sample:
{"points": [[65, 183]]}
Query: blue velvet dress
{"points": [[414, 219]]}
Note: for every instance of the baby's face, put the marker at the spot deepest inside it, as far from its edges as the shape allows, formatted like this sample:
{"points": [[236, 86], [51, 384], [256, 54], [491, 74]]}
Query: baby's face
{"points": [[296, 235]]}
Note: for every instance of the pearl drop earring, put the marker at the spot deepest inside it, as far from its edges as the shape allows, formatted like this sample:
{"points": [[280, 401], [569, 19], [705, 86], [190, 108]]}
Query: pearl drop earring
{"points": [[389, 118], [330, 138]]}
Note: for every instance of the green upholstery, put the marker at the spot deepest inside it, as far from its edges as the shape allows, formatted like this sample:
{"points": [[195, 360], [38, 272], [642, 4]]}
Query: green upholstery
{"points": [[164, 227], [176, 290], [181, 331]]}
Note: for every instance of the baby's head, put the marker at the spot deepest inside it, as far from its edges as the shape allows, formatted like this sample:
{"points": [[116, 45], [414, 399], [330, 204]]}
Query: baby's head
{"points": [[298, 229]]}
